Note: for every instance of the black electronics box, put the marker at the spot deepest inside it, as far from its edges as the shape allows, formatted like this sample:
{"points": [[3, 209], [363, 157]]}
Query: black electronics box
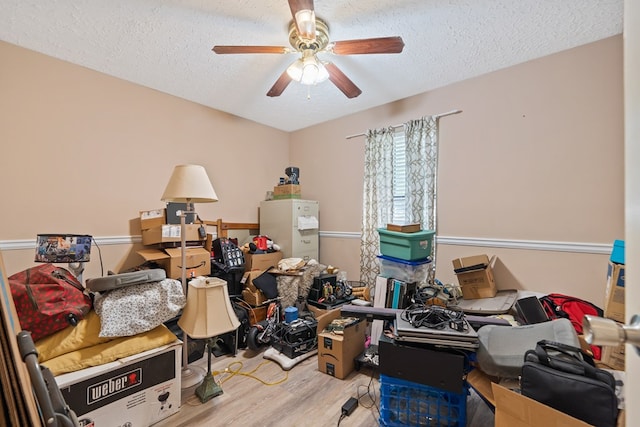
{"points": [[233, 277], [421, 364], [296, 338], [324, 293], [324, 280]]}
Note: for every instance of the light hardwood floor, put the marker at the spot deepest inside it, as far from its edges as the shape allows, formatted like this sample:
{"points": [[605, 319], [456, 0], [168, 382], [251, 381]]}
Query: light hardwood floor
{"points": [[303, 396]]}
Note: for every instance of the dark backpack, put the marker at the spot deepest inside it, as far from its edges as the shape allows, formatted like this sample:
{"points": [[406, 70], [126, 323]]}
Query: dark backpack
{"points": [[572, 308], [47, 299]]}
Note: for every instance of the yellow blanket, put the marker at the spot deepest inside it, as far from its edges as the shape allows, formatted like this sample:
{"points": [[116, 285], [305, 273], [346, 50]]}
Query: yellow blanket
{"points": [[79, 347]]}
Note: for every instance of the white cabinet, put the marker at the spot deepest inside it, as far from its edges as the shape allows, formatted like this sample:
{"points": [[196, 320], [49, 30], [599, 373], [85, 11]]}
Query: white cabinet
{"points": [[293, 225]]}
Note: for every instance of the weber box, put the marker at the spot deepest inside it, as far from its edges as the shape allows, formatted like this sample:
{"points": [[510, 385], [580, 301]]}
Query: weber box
{"points": [[337, 351], [136, 391]]}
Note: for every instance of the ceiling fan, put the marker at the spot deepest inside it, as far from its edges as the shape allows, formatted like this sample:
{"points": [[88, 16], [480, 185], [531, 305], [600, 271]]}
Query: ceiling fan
{"points": [[308, 36]]}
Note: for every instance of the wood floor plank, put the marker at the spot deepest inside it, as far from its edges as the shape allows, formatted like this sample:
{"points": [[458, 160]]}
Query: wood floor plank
{"points": [[308, 397]]}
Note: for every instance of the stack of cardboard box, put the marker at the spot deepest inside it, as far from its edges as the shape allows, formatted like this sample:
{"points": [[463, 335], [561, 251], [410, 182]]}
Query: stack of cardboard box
{"points": [[162, 245], [255, 265]]}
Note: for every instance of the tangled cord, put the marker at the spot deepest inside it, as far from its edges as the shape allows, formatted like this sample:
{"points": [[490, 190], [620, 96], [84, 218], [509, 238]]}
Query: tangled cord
{"points": [[438, 293], [434, 317]]}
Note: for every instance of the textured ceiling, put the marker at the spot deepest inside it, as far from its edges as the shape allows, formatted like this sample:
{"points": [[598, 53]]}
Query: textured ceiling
{"points": [[166, 45]]}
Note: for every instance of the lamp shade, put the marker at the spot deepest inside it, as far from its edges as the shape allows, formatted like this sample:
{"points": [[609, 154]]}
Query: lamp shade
{"points": [[208, 312], [189, 184]]}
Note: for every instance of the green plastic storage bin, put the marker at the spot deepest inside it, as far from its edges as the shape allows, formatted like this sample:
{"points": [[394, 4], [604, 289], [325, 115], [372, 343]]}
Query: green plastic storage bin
{"points": [[406, 246]]}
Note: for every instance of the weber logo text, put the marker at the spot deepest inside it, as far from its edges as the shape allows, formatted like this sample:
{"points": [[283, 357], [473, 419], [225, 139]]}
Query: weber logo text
{"points": [[114, 385]]}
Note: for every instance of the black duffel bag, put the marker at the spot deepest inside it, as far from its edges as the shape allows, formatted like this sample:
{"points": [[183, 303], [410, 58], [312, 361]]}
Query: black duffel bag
{"points": [[564, 378]]}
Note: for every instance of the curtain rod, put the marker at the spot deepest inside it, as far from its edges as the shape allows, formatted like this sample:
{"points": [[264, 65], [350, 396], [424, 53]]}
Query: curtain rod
{"points": [[437, 116]]}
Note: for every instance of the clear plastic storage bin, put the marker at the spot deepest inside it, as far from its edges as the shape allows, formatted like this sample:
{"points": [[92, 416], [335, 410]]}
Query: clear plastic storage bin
{"points": [[407, 271]]}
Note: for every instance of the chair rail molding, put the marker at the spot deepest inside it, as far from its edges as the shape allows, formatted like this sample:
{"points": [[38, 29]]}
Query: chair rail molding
{"points": [[537, 245]]}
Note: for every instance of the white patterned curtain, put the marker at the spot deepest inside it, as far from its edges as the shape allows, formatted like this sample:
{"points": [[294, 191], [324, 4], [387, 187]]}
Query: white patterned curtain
{"points": [[421, 137], [377, 206]]}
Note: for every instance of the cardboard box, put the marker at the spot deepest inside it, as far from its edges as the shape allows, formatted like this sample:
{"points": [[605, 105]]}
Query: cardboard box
{"points": [[261, 261], [153, 218], [317, 311], [198, 261], [513, 409], [167, 233], [287, 189], [475, 276], [614, 295], [256, 313], [135, 391], [337, 352], [613, 357]]}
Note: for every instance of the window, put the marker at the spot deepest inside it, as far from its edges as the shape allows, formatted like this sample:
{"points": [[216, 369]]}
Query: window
{"points": [[399, 214]]}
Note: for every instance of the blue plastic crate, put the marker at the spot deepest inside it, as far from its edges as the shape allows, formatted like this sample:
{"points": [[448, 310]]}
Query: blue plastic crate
{"points": [[405, 403]]}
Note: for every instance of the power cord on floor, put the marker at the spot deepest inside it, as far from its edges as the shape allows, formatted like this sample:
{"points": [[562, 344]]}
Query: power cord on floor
{"points": [[231, 372], [369, 392], [348, 408], [353, 402]]}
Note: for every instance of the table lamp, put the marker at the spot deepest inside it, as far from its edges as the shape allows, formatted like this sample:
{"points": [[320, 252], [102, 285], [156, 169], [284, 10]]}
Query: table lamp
{"points": [[208, 314], [74, 249], [188, 184]]}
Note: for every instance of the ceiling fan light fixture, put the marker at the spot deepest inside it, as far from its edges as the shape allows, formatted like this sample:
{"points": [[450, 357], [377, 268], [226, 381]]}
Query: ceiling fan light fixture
{"points": [[295, 70], [308, 70]]}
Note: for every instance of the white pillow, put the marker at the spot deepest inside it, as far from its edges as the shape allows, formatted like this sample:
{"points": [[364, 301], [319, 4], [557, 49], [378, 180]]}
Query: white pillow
{"points": [[138, 308]]}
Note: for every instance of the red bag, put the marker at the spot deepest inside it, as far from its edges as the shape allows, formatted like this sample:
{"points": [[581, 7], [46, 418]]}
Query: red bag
{"points": [[572, 308], [47, 299]]}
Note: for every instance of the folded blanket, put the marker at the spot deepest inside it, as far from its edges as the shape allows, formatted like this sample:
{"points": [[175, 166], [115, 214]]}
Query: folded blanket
{"points": [[79, 347]]}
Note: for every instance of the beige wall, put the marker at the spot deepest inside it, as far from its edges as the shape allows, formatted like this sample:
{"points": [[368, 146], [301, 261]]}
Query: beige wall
{"points": [[83, 152], [536, 156]]}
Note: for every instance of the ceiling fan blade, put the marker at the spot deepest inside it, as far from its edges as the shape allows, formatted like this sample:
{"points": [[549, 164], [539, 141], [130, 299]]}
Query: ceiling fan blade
{"points": [[305, 18], [341, 81], [250, 49], [280, 85], [364, 46]]}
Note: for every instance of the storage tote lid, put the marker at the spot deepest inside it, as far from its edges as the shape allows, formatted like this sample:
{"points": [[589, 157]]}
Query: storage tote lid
{"points": [[418, 235], [404, 261]]}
